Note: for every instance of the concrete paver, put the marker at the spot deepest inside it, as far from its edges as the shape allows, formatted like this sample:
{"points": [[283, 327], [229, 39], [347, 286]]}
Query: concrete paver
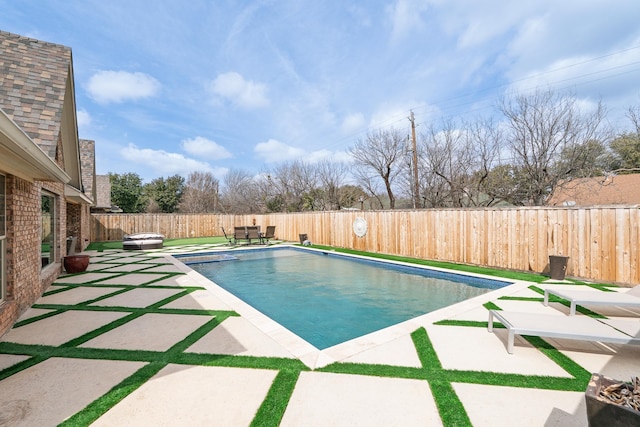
{"points": [[60, 328], [75, 295], [496, 406], [57, 388], [325, 399], [138, 297], [133, 279], [198, 300], [155, 332], [193, 396], [398, 352], [237, 336], [452, 344]]}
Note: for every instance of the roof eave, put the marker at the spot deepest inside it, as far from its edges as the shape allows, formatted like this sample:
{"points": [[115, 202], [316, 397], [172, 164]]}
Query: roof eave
{"points": [[74, 195], [22, 157]]}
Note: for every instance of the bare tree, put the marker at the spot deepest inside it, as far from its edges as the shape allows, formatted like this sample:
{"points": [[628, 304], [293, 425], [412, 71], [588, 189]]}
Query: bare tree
{"points": [[291, 187], [201, 193], [240, 194], [455, 161], [541, 130], [331, 175], [379, 155]]}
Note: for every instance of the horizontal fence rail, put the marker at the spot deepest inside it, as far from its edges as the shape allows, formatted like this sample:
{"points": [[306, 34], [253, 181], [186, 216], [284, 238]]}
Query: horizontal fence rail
{"points": [[602, 243]]}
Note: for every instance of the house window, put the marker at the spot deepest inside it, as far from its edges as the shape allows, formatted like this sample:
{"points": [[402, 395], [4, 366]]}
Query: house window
{"points": [[49, 232], [3, 237]]}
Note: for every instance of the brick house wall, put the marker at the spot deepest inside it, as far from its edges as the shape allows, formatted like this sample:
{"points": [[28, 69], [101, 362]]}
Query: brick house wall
{"points": [[26, 280], [78, 219]]}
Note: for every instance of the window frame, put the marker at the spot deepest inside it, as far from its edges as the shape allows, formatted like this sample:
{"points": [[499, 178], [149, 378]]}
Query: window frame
{"points": [[53, 224]]}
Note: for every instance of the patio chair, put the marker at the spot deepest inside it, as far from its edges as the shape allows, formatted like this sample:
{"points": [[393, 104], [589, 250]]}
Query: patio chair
{"points": [[239, 233], [582, 328], [253, 233], [631, 298], [268, 235], [229, 238]]}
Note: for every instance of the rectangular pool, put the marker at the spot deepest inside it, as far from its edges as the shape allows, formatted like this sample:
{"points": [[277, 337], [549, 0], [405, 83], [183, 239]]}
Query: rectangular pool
{"points": [[327, 298]]}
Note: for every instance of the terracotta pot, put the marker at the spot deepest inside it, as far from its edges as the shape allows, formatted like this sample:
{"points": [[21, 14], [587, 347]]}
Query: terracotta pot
{"points": [[76, 263]]}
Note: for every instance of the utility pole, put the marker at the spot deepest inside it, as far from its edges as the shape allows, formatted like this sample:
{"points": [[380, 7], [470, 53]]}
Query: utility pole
{"points": [[416, 184]]}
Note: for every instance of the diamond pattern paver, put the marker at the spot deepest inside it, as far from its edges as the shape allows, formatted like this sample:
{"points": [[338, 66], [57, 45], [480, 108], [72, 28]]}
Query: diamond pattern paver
{"points": [[57, 388], [156, 332], [59, 329], [323, 399], [494, 406], [193, 396]]}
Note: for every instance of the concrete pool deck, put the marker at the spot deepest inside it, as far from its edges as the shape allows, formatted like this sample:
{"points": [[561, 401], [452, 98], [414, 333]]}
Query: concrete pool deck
{"points": [[140, 339]]}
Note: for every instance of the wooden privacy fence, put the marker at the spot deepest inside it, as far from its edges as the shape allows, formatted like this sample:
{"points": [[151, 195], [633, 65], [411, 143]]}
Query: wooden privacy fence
{"points": [[602, 243]]}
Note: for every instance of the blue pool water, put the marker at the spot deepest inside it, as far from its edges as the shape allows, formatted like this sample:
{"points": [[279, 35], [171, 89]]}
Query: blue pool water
{"points": [[326, 298]]}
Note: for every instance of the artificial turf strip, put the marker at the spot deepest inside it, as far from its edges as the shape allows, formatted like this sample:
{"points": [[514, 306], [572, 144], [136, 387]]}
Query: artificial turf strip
{"points": [[273, 406], [565, 362], [491, 306], [424, 348], [452, 412]]}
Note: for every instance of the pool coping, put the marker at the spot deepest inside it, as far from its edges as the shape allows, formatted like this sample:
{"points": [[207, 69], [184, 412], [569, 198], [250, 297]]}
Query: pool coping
{"points": [[315, 358]]}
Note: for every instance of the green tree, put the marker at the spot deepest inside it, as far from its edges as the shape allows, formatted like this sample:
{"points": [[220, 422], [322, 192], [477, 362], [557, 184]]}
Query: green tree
{"points": [[127, 192], [166, 193], [626, 153]]}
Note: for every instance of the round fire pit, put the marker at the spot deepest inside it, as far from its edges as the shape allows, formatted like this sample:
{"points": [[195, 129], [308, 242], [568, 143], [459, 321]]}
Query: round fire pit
{"points": [[75, 263]]}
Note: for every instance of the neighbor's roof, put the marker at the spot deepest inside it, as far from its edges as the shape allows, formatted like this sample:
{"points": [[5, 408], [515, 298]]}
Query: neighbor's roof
{"points": [[602, 190], [33, 80]]}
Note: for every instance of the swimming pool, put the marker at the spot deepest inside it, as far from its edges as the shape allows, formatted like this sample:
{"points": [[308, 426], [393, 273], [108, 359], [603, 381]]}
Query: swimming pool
{"points": [[327, 298]]}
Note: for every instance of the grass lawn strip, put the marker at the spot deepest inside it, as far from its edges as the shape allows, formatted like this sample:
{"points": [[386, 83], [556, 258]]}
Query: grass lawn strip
{"points": [[274, 405]]}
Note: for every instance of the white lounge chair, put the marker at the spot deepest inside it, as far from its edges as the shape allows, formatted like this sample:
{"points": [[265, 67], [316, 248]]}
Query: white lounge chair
{"points": [[631, 298], [583, 328]]}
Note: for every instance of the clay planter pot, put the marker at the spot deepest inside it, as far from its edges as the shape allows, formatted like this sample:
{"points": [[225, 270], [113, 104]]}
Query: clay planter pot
{"points": [[603, 412], [75, 263]]}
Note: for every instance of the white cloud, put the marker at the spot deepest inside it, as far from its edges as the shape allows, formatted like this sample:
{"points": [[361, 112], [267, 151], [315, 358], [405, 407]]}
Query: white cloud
{"points": [[84, 119], [243, 93], [163, 163], [118, 86], [406, 18], [274, 151], [353, 123], [205, 148]]}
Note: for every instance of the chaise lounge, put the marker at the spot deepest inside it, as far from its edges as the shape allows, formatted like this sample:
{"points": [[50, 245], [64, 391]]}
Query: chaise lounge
{"points": [[631, 298], [582, 328], [142, 241]]}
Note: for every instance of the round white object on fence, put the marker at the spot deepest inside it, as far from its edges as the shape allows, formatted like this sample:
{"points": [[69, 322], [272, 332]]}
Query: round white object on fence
{"points": [[360, 227]]}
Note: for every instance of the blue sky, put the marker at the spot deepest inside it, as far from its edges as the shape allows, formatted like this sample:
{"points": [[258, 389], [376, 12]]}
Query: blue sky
{"points": [[168, 87]]}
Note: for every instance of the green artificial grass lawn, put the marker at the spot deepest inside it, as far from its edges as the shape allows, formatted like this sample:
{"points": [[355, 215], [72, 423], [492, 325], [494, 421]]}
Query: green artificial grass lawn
{"points": [[270, 413], [101, 246]]}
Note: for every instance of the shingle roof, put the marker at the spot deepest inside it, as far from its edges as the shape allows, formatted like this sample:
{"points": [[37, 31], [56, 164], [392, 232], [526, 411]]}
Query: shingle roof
{"points": [[33, 77], [610, 190]]}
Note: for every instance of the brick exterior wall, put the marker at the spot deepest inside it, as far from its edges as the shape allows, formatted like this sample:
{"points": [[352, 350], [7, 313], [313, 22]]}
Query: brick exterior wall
{"points": [[26, 280], [78, 220]]}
